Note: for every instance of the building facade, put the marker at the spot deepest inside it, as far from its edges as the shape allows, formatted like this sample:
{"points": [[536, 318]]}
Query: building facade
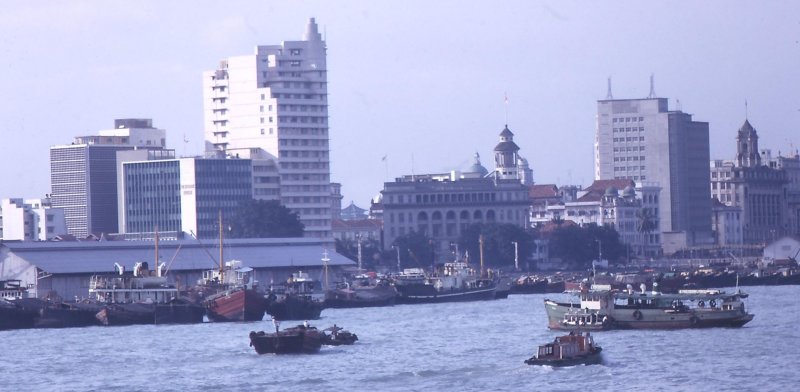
{"points": [[644, 141], [443, 206], [30, 220], [274, 103], [183, 195], [754, 184], [83, 175]]}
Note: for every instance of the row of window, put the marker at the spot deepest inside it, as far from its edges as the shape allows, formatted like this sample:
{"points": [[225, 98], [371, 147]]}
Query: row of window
{"points": [[305, 177], [623, 159], [629, 149], [304, 142], [627, 119], [303, 154], [629, 139], [628, 168], [628, 129], [304, 165], [635, 178]]}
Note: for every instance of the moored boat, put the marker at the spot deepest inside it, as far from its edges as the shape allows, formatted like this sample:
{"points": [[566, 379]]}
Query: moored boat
{"points": [[576, 348], [457, 282], [234, 294], [141, 297], [650, 310], [301, 298], [363, 291]]}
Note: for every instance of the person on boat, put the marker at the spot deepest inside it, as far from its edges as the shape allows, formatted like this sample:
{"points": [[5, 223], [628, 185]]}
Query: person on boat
{"points": [[305, 323]]}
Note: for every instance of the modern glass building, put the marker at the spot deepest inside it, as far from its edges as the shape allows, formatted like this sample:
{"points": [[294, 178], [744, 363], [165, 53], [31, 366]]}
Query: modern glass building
{"points": [[183, 195]]}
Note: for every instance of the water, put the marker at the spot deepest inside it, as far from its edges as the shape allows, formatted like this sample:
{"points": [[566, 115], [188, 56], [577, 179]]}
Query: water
{"points": [[478, 346]]}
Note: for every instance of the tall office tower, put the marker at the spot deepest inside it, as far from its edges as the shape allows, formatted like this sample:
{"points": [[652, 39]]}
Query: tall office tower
{"points": [[183, 195], [273, 105], [642, 140], [83, 175]]}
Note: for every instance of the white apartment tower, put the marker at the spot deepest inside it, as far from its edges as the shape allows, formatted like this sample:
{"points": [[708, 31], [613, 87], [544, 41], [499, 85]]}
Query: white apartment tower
{"points": [[272, 106], [642, 140]]}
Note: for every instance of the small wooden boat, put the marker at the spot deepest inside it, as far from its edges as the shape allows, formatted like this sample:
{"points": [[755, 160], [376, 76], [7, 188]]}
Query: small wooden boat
{"points": [[337, 336], [569, 350], [302, 339]]}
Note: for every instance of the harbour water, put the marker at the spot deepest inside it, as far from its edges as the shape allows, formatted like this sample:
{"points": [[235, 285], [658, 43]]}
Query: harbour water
{"points": [[477, 346]]}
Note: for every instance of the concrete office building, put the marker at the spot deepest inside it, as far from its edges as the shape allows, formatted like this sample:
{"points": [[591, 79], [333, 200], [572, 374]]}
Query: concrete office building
{"points": [[642, 140], [83, 175], [30, 220], [273, 105], [183, 196]]}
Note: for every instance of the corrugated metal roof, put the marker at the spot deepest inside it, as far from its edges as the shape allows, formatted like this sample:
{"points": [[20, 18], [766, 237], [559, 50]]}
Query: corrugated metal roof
{"points": [[100, 256]]}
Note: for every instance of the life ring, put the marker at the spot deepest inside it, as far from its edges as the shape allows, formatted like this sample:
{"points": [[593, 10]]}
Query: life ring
{"points": [[637, 314], [701, 304], [712, 303]]}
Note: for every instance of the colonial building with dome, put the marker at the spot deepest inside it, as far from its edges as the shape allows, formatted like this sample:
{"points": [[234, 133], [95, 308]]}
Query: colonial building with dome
{"points": [[443, 205], [761, 188]]}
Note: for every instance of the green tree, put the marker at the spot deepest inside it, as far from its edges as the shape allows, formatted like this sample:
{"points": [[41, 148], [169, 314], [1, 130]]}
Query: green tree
{"points": [[371, 253], [578, 246], [264, 219], [416, 250], [498, 244]]}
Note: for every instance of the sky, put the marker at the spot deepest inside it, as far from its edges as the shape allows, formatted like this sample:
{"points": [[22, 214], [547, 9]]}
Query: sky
{"points": [[422, 83]]}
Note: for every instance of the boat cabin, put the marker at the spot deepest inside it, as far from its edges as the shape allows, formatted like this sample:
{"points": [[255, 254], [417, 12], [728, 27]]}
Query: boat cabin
{"points": [[567, 346]]}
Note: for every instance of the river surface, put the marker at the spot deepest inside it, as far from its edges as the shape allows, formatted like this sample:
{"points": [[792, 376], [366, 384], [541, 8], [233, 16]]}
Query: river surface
{"points": [[476, 346]]}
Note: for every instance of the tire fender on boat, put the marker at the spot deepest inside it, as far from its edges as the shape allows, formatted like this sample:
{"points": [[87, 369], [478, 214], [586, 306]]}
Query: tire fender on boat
{"points": [[712, 303], [637, 314]]}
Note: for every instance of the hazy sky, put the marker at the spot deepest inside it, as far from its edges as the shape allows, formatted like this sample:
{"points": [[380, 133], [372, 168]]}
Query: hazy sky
{"points": [[417, 81]]}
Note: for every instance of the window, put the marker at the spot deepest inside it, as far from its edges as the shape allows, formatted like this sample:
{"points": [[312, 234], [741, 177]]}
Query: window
{"points": [[262, 131]]}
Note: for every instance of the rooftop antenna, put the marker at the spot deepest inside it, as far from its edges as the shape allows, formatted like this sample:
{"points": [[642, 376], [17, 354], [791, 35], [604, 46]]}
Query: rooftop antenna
{"points": [[746, 111], [185, 142], [505, 101], [652, 88], [412, 167], [608, 94]]}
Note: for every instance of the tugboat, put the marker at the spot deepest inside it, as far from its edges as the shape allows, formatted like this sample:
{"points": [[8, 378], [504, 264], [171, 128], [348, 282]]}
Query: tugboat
{"points": [[569, 350], [337, 336], [301, 298], [302, 339], [12, 314]]}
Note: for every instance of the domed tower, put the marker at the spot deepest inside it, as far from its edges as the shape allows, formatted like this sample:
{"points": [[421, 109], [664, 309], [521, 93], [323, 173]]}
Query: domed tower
{"points": [[505, 156], [747, 146], [477, 167]]}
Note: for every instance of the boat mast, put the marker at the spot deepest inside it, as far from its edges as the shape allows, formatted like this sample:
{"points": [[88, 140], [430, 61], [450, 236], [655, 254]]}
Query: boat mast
{"points": [[220, 245], [480, 240], [158, 270]]}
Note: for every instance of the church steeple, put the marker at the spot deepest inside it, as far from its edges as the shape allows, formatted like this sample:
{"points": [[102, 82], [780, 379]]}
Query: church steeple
{"points": [[747, 146]]}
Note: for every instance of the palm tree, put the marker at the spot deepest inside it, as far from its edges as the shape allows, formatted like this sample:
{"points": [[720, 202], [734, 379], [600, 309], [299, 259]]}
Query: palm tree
{"points": [[645, 226]]}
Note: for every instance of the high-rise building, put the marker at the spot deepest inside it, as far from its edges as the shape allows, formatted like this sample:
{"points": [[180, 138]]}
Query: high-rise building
{"points": [[183, 195], [642, 140], [83, 175], [274, 104]]}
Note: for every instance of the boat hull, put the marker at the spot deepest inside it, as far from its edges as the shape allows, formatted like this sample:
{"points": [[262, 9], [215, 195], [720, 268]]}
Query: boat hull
{"points": [[15, 317], [423, 293], [592, 358], [126, 314], [236, 305], [179, 312], [655, 318], [297, 340], [294, 308], [361, 298]]}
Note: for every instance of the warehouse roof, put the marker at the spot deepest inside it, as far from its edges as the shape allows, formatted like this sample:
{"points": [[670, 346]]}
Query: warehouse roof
{"points": [[100, 256]]}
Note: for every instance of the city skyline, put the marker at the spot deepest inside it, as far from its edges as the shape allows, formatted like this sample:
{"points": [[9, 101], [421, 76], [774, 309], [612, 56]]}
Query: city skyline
{"points": [[403, 84]]}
